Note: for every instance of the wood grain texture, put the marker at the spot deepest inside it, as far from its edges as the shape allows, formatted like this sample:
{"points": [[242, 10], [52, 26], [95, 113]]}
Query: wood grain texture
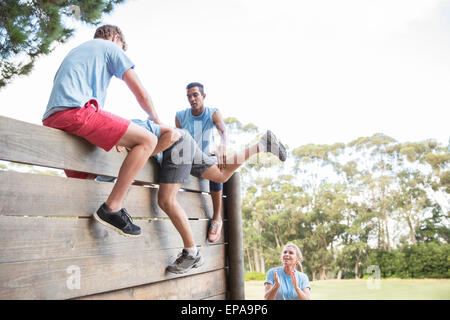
{"points": [[222, 296], [38, 145], [208, 285], [52, 279], [47, 232], [31, 239], [42, 195]]}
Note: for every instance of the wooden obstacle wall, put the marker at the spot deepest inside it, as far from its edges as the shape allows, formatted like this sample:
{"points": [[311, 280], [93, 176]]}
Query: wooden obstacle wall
{"points": [[52, 248]]}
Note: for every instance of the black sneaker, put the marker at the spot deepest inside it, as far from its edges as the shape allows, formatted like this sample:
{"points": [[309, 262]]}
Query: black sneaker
{"points": [[185, 262], [120, 221], [270, 143]]}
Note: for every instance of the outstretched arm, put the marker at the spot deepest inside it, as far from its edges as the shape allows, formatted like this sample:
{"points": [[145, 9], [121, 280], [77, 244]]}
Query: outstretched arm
{"points": [[131, 79]]}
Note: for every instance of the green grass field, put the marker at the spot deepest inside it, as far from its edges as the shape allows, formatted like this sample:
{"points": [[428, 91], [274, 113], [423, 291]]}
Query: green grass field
{"points": [[433, 289]]}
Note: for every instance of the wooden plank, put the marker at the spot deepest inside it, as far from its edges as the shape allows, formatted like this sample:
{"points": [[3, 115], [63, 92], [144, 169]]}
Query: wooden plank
{"points": [[42, 195], [200, 286], [222, 296], [57, 278], [28, 239], [38, 145]]}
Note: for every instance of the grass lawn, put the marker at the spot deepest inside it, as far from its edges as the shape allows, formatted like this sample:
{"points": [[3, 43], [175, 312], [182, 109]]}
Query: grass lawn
{"points": [[434, 289]]}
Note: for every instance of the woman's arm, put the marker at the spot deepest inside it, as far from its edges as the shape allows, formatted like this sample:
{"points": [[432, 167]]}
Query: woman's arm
{"points": [[272, 289], [302, 294]]}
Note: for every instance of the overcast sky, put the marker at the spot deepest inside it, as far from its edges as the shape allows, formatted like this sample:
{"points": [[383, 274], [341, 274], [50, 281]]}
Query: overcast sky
{"points": [[318, 71]]}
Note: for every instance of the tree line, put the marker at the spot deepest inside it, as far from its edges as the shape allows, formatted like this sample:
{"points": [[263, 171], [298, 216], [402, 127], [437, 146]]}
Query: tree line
{"points": [[372, 201]]}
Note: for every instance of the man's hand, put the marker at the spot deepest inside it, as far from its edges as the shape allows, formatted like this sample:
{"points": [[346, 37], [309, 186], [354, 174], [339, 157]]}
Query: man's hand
{"points": [[221, 151], [221, 154], [120, 148], [175, 136]]}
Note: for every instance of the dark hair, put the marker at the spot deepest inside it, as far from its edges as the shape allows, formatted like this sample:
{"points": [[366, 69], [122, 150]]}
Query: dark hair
{"points": [[195, 84], [107, 30]]}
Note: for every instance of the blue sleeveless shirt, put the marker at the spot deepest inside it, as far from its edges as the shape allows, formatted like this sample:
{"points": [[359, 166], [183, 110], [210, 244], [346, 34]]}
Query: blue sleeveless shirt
{"points": [[200, 127]]}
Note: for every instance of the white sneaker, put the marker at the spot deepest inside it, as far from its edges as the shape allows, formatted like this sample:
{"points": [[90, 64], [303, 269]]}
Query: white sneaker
{"points": [[270, 143]]}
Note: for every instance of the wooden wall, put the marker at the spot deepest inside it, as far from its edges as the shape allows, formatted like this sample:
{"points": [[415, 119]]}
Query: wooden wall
{"points": [[48, 237]]}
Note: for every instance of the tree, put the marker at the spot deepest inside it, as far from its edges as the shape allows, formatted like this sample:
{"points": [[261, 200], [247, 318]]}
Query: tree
{"points": [[378, 179], [340, 201], [434, 228], [411, 200], [29, 29], [270, 208]]}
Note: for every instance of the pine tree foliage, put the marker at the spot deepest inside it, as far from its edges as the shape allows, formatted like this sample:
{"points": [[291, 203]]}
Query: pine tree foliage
{"points": [[29, 29]]}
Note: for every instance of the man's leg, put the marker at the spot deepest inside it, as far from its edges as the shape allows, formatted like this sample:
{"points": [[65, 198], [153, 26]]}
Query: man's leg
{"points": [[214, 174], [217, 203], [215, 227], [267, 143], [141, 143], [190, 257], [168, 203], [105, 130], [233, 163]]}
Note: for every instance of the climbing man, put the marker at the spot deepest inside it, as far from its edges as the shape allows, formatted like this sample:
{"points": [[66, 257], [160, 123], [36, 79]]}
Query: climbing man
{"points": [[200, 120], [76, 106], [184, 158]]}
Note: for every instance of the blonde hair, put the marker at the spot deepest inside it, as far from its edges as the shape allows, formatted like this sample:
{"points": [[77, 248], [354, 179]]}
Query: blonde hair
{"points": [[299, 254]]}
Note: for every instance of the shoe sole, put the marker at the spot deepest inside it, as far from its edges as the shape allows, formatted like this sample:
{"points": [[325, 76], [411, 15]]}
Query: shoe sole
{"points": [[106, 224], [195, 265], [282, 154], [211, 242]]}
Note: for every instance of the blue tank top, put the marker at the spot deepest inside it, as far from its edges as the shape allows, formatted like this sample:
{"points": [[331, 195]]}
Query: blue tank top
{"points": [[200, 127]]}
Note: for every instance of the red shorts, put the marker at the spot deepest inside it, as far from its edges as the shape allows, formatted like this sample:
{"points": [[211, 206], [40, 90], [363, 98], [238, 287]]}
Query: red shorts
{"points": [[97, 126]]}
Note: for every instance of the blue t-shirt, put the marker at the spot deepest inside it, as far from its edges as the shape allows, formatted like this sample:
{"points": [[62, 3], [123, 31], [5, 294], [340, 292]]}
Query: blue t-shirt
{"points": [[85, 74], [200, 127], [286, 290]]}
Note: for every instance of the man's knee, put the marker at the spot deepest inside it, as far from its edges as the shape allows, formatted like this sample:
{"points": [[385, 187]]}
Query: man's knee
{"points": [[150, 141], [165, 202], [138, 136], [218, 179]]}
